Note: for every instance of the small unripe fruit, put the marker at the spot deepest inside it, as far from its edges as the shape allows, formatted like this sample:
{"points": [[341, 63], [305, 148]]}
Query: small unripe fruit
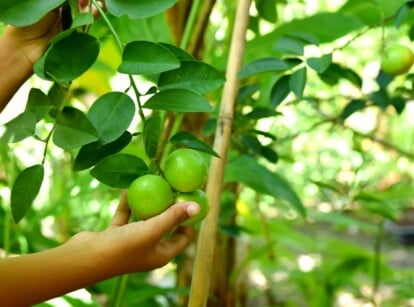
{"points": [[149, 195], [397, 60], [199, 197], [185, 169]]}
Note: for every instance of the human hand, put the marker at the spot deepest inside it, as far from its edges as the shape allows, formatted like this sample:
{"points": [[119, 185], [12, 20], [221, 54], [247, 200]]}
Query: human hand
{"points": [[143, 245], [31, 41]]}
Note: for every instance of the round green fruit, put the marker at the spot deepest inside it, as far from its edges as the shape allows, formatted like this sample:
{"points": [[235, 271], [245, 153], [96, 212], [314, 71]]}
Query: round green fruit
{"points": [[185, 169], [397, 60], [149, 195], [201, 199]]}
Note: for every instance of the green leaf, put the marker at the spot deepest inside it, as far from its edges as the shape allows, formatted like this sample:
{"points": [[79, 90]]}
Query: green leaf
{"points": [[289, 45], [398, 103], [152, 133], [68, 57], [262, 66], [280, 90], [22, 13], [147, 58], [118, 171], [380, 98], [320, 64], [25, 189], [73, 129], [178, 100], [19, 128], [138, 8], [336, 72], [180, 54], [82, 19], [261, 112], [187, 139], [352, 107], [246, 170], [92, 153], [38, 103], [192, 75], [111, 114], [297, 82], [267, 10]]}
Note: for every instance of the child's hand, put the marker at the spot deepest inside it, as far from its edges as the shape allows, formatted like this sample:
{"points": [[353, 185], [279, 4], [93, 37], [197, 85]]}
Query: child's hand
{"points": [[143, 245]]}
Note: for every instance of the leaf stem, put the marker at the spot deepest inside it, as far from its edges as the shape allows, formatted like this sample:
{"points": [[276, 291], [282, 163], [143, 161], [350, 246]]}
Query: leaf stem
{"points": [[119, 291], [109, 24], [138, 97], [121, 48], [189, 27]]}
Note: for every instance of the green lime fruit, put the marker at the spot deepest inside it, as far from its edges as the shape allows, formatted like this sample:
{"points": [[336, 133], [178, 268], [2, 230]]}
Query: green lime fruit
{"points": [[397, 60], [149, 195], [201, 199], [185, 169]]}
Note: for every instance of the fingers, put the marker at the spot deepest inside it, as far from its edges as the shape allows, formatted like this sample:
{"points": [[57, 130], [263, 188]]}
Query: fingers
{"points": [[122, 213], [163, 223], [169, 248]]}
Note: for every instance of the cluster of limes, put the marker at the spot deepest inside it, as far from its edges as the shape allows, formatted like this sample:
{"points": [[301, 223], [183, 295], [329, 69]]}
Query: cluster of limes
{"points": [[183, 175]]}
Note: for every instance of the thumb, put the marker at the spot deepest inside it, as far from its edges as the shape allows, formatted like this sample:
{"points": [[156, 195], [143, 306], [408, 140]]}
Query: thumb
{"points": [[171, 218]]}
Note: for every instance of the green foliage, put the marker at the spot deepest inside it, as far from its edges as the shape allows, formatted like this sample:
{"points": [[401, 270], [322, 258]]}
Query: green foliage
{"points": [[320, 156]]}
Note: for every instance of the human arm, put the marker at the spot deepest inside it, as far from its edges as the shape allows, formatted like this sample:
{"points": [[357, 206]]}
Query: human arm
{"points": [[90, 257]]}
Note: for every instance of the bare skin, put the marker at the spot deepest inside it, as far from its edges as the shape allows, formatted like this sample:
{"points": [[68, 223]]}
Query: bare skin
{"points": [[88, 257]]}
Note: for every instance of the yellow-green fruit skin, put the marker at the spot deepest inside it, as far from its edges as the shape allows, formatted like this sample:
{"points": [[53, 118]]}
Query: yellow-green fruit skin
{"points": [[185, 169], [201, 199], [397, 60], [149, 195]]}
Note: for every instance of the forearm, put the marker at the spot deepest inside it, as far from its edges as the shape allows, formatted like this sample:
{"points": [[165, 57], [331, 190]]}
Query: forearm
{"points": [[14, 69], [34, 278]]}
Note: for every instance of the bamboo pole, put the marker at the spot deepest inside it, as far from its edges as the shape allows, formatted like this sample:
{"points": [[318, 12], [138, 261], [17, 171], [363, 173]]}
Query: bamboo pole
{"points": [[207, 237]]}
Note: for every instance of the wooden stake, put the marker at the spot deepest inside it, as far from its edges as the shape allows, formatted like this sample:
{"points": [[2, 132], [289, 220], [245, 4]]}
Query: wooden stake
{"points": [[207, 237]]}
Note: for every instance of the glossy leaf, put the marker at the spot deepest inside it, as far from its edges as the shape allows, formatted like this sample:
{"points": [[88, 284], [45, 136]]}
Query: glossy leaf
{"points": [[320, 64], [249, 172], [19, 128], [81, 20], [185, 138], [92, 153], [152, 133], [68, 57], [138, 8], [38, 103], [336, 72], [280, 90], [26, 12], [178, 100], [352, 107], [192, 75], [25, 189], [380, 98], [111, 114], [267, 10], [297, 82], [180, 54], [73, 129], [289, 45], [262, 66], [147, 58], [261, 112], [118, 171]]}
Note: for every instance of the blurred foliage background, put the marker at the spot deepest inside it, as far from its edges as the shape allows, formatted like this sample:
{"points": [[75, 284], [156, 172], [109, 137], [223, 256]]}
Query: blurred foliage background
{"points": [[331, 127]]}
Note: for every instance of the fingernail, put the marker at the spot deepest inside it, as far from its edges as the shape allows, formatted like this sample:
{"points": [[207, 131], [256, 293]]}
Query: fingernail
{"points": [[193, 209]]}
